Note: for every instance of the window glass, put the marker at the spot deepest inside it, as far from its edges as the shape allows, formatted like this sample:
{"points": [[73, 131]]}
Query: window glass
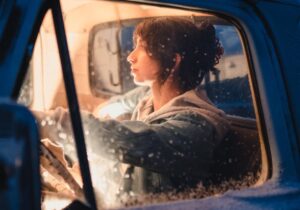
{"points": [[199, 141], [236, 158]]}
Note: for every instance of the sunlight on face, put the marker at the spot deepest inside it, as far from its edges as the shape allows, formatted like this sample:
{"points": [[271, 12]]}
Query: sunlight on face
{"points": [[144, 68]]}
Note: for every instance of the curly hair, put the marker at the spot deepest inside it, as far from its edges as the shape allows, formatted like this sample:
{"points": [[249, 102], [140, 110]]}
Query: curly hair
{"points": [[199, 48]]}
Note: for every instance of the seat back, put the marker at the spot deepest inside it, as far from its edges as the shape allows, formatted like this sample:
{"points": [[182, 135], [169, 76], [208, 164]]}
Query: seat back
{"points": [[19, 158], [239, 154]]}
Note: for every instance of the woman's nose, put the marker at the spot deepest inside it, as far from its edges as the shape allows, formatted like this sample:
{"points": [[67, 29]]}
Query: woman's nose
{"points": [[131, 58]]}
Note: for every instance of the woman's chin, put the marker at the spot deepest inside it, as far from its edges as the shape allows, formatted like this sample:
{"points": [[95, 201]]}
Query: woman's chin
{"points": [[142, 82]]}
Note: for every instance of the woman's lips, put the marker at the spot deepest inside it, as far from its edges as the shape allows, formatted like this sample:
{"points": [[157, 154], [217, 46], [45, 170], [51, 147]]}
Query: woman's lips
{"points": [[133, 70]]}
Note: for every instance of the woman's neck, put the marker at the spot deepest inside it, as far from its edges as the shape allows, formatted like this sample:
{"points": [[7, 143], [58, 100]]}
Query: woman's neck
{"points": [[162, 94]]}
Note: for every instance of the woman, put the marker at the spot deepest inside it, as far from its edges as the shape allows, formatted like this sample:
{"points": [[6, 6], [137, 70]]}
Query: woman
{"points": [[172, 134], [169, 142]]}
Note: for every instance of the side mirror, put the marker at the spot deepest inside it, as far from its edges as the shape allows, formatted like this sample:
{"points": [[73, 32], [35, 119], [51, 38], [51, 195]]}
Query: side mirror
{"points": [[19, 158]]}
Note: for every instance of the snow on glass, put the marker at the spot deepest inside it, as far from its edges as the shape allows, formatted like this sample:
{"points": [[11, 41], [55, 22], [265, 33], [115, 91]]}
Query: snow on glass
{"points": [[106, 175], [198, 192]]}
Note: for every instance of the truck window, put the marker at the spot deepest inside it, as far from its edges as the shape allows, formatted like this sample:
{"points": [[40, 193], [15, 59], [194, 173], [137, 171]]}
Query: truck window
{"points": [[150, 157]]}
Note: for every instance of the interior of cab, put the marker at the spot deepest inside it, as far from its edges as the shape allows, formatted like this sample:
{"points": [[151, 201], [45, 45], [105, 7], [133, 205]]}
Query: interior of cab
{"points": [[99, 35]]}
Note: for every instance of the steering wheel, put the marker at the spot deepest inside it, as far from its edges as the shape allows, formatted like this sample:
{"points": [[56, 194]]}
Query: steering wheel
{"points": [[56, 175]]}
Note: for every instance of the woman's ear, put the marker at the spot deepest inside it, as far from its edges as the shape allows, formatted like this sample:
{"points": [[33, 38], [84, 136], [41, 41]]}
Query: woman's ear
{"points": [[177, 62]]}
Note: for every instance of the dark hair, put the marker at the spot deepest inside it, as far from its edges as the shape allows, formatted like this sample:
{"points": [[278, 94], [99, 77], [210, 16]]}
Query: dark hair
{"points": [[198, 46]]}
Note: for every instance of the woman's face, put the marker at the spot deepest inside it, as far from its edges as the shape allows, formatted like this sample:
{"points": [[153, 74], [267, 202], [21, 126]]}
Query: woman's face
{"points": [[144, 68]]}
